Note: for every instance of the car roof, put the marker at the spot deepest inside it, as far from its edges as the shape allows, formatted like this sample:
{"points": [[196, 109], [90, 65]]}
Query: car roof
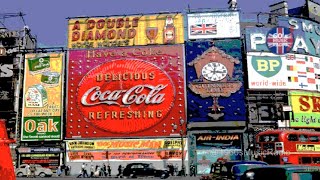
{"points": [[138, 163], [245, 162], [290, 167]]}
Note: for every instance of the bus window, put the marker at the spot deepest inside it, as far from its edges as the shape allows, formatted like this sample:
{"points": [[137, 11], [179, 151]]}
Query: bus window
{"points": [[292, 137], [306, 160], [269, 138], [316, 160], [301, 176], [303, 138], [314, 138]]}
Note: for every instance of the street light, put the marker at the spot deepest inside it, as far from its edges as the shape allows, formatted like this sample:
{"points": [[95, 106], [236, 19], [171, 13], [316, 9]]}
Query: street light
{"points": [[181, 133], [182, 148]]}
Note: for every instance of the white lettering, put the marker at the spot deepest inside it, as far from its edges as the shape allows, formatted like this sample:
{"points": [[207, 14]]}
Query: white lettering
{"points": [[136, 94], [256, 39], [300, 44]]}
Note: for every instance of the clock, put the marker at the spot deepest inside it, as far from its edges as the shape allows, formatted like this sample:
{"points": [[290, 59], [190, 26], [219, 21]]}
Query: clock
{"points": [[214, 71]]}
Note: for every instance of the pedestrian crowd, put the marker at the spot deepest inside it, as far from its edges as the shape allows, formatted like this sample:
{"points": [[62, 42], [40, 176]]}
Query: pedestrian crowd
{"points": [[95, 171]]}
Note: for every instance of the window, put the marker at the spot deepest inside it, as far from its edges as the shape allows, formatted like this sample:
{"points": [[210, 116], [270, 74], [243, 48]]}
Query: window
{"points": [[314, 138], [306, 160], [303, 138], [292, 137], [316, 160], [269, 138]]}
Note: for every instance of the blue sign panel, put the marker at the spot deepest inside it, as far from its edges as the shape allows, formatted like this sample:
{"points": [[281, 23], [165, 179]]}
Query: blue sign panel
{"points": [[300, 36], [215, 81]]}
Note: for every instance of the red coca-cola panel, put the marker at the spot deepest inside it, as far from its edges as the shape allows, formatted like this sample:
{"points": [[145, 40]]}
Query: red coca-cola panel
{"points": [[122, 92]]}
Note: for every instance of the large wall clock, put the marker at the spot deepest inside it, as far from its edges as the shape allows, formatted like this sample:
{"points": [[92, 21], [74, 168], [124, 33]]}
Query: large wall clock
{"points": [[214, 71]]}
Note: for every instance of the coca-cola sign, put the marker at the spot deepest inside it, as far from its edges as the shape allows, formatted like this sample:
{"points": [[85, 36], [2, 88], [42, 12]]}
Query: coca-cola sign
{"points": [[125, 92], [129, 98]]}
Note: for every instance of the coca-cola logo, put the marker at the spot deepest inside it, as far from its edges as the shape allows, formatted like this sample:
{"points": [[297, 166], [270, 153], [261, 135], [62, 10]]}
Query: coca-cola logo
{"points": [[125, 96]]}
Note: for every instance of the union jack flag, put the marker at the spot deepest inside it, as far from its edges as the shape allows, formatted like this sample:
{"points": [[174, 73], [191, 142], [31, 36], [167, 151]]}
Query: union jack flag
{"points": [[280, 40], [203, 29]]}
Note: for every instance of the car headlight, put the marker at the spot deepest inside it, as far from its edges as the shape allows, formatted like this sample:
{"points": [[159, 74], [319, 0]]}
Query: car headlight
{"points": [[249, 174]]}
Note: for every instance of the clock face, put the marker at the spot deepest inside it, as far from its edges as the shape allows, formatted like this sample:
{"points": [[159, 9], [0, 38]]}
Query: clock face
{"points": [[214, 71]]}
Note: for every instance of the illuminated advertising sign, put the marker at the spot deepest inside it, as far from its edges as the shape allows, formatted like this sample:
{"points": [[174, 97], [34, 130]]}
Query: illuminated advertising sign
{"points": [[42, 97], [122, 92], [306, 108], [293, 35], [308, 147], [125, 155], [213, 25], [290, 71], [125, 31], [46, 160], [6, 88], [212, 147], [207, 141], [124, 144], [215, 81]]}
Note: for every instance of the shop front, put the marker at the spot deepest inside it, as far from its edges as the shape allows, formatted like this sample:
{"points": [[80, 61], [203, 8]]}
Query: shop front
{"points": [[48, 157], [115, 152]]}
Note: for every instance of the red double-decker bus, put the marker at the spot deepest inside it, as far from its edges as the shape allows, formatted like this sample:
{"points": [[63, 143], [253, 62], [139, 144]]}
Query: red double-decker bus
{"points": [[288, 147]]}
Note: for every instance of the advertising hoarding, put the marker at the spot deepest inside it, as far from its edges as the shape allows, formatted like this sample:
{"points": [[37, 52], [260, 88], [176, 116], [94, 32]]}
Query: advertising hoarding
{"points": [[305, 107], [97, 32], [212, 147], [290, 71], [126, 92], [293, 35], [215, 96], [213, 25], [124, 144], [46, 160], [7, 84], [42, 97], [313, 10], [124, 155]]}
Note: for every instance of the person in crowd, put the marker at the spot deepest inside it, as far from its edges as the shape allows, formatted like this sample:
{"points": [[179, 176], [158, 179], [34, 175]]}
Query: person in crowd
{"points": [[66, 170], [109, 170], [119, 175], [176, 169], [27, 168], [33, 170], [92, 170], [59, 171], [104, 170]]}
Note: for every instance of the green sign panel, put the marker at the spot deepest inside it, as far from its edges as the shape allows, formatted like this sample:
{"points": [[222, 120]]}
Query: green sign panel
{"points": [[41, 128], [306, 109]]}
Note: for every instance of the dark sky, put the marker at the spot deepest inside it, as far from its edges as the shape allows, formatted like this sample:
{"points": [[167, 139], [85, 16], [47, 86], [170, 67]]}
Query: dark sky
{"points": [[47, 18]]}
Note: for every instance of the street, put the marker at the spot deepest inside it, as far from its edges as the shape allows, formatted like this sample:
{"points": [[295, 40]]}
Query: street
{"points": [[112, 178]]}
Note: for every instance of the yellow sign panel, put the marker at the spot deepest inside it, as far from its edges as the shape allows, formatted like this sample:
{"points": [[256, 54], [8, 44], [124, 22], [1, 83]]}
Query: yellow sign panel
{"points": [[43, 85], [125, 31], [308, 147], [116, 144]]}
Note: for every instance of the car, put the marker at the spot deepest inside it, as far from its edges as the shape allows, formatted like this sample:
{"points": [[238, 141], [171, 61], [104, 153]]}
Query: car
{"points": [[40, 171], [134, 170], [233, 169], [282, 172]]}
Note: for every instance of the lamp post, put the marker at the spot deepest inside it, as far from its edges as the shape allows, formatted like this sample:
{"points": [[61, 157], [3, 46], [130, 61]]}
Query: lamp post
{"points": [[182, 148]]}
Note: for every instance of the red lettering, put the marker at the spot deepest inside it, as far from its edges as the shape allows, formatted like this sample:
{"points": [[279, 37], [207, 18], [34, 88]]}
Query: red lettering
{"points": [[90, 24], [112, 34], [75, 36], [135, 22], [100, 36], [127, 23], [76, 26], [100, 23], [131, 33], [121, 34], [120, 23], [316, 104], [110, 23], [304, 105]]}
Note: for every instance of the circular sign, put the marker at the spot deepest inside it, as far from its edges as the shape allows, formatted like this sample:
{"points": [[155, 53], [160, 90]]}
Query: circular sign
{"points": [[125, 96], [280, 40]]}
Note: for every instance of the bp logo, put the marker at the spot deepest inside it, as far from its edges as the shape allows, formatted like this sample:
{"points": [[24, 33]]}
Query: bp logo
{"points": [[280, 40], [266, 66]]}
